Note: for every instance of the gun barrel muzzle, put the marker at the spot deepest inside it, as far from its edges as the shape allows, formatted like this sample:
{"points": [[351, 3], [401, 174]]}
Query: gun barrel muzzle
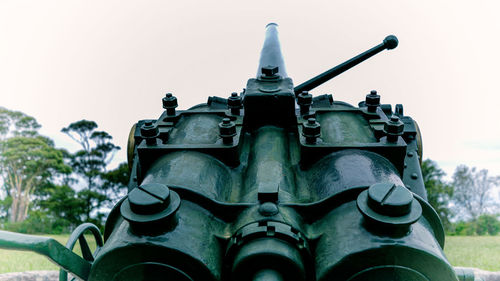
{"points": [[271, 52]]}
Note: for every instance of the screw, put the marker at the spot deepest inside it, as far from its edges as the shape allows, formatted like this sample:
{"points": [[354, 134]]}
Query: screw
{"points": [[227, 130], [234, 102], [311, 130], [372, 101], [169, 103], [304, 100], [393, 128], [389, 199], [150, 132], [149, 199]]}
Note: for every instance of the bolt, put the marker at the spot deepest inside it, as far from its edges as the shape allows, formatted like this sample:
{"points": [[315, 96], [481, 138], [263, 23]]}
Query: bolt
{"points": [[269, 71], [410, 154], [169, 103], [414, 176], [393, 128], [372, 101], [304, 100], [268, 209], [389, 199], [234, 102], [149, 131], [149, 199], [227, 130], [311, 130]]}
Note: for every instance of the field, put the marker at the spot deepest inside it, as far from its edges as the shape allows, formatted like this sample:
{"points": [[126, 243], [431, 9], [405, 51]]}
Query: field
{"points": [[16, 261], [477, 251]]}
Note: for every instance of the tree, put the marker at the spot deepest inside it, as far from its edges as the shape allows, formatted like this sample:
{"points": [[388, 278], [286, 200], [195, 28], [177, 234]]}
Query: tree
{"points": [[90, 162], [12, 123], [487, 224], [26, 163], [116, 181], [16, 123], [472, 192], [439, 192], [60, 208]]}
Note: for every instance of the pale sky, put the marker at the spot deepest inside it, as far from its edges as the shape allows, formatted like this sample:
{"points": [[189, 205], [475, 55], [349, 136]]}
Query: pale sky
{"points": [[113, 61]]}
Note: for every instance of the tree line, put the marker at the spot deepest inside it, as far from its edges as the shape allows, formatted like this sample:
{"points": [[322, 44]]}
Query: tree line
{"points": [[45, 189], [467, 204]]}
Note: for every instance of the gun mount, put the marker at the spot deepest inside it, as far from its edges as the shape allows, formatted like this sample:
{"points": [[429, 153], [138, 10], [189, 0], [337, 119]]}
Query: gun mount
{"points": [[271, 184]]}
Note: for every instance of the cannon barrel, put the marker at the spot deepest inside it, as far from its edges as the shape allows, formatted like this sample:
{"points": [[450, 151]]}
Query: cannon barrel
{"points": [[271, 52]]}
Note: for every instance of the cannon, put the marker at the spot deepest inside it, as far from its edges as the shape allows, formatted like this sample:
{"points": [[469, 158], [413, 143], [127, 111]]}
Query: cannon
{"points": [[270, 184]]}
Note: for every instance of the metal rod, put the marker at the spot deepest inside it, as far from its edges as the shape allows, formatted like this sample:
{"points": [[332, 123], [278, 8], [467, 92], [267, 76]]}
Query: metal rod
{"points": [[271, 52], [390, 42], [48, 247]]}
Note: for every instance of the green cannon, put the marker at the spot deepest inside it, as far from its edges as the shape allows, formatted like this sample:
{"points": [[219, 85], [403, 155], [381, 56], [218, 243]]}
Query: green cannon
{"points": [[271, 184]]}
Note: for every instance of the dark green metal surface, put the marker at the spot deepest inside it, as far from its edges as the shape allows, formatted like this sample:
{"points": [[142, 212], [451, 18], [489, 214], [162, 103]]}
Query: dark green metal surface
{"points": [[271, 184], [48, 247]]}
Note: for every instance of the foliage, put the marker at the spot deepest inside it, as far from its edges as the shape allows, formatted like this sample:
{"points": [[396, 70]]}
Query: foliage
{"points": [[438, 191], [16, 123], [472, 192], [27, 162], [484, 225], [90, 164], [61, 207], [116, 181], [464, 228], [487, 224]]}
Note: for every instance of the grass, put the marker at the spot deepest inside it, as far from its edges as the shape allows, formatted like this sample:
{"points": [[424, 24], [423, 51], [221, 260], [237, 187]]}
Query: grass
{"points": [[469, 251], [16, 261], [474, 251]]}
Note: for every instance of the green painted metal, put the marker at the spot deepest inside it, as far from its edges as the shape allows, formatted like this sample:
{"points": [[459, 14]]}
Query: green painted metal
{"points": [[48, 247], [78, 235], [254, 188]]}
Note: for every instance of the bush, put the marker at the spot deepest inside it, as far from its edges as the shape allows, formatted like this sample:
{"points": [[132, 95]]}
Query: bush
{"points": [[487, 224], [463, 228], [484, 225], [38, 223]]}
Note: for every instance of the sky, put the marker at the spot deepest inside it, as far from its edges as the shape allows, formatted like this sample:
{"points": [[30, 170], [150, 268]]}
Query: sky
{"points": [[113, 61]]}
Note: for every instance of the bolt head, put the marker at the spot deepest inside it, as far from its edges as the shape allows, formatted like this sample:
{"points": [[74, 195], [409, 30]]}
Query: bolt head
{"points": [[311, 128], [169, 101], [268, 209], [227, 128], [149, 129], [394, 126], [372, 99], [149, 199], [269, 71], [304, 99], [390, 199], [234, 101], [389, 204]]}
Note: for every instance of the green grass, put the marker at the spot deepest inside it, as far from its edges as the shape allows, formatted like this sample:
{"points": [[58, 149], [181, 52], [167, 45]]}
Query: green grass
{"points": [[474, 251], [470, 251]]}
